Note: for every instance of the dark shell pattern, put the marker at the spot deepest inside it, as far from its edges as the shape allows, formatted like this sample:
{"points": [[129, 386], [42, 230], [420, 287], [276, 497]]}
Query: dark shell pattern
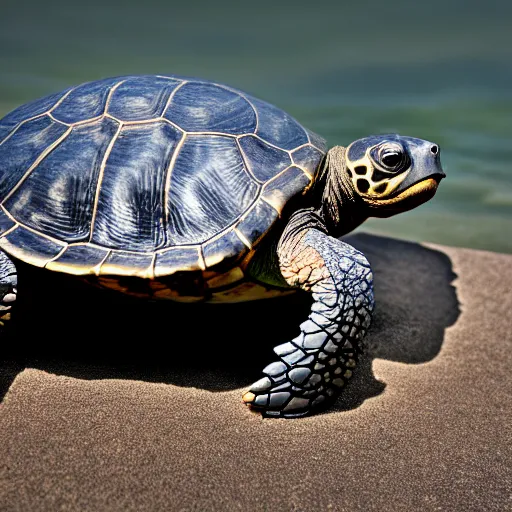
{"points": [[147, 175]]}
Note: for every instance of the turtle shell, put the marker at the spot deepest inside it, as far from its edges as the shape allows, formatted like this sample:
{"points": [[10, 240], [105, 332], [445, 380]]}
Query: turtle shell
{"points": [[147, 175]]}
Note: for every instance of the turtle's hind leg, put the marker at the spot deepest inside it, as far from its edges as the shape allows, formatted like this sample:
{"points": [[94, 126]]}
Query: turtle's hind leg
{"points": [[8, 287], [313, 368]]}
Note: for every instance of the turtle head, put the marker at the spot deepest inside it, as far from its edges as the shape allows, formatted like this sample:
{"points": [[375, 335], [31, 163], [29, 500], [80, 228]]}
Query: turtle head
{"points": [[393, 174]]}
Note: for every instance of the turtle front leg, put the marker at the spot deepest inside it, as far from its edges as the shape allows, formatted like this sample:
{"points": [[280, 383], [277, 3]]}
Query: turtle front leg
{"points": [[8, 287], [313, 368]]}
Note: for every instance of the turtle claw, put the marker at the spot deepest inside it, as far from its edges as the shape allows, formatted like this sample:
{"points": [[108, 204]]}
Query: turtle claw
{"points": [[292, 394], [8, 289], [278, 403], [311, 383], [6, 303]]}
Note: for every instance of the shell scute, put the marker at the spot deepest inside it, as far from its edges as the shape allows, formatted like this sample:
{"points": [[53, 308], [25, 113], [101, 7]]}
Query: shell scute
{"points": [[209, 189], [206, 107], [78, 260], [30, 247], [278, 127], [263, 160], [23, 148], [177, 258], [307, 157], [131, 198], [128, 264], [29, 110], [225, 249], [6, 222], [57, 197], [278, 191], [319, 142], [85, 102], [256, 223], [142, 98]]}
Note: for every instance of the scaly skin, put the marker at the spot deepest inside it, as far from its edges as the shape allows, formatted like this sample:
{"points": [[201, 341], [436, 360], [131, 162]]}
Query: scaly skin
{"points": [[313, 368]]}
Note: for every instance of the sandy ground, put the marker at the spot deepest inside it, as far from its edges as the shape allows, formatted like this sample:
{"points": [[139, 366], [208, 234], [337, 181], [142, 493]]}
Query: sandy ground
{"points": [[93, 423]]}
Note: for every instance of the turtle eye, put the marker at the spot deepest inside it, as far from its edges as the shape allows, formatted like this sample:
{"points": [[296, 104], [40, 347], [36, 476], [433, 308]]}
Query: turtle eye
{"points": [[391, 159], [391, 156]]}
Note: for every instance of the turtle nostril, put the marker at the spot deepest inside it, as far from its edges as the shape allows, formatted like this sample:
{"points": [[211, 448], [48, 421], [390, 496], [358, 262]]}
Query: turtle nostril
{"points": [[434, 149]]}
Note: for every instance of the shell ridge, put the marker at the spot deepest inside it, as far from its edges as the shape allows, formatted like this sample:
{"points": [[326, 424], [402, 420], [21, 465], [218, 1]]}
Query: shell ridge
{"points": [[21, 123], [49, 114], [169, 100], [167, 190], [58, 255], [100, 179], [265, 141], [100, 264], [246, 164], [111, 92], [230, 227], [37, 232], [15, 129], [71, 89]]}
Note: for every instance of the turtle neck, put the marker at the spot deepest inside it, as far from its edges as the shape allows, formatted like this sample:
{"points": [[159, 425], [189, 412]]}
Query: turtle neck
{"points": [[334, 197]]}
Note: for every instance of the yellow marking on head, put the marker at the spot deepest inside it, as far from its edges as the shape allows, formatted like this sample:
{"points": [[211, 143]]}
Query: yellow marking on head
{"points": [[428, 185], [392, 182]]}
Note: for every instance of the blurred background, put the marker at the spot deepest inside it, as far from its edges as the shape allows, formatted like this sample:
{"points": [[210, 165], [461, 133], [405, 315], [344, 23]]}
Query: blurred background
{"points": [[436, 69]]}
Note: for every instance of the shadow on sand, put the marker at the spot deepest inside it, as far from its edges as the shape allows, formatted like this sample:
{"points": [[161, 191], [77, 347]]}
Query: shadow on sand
{"points": [[75, 330]]}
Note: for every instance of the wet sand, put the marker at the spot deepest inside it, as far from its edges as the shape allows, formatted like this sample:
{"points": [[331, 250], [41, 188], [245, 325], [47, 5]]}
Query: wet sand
{"points": [[90, 422]]}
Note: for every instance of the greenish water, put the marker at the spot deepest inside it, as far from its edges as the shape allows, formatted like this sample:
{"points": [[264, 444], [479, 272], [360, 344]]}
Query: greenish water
{"points": [[440, 70]]}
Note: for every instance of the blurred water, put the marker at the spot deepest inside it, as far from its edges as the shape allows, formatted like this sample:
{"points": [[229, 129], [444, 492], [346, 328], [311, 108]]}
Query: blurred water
{"points": [[440, 70]]}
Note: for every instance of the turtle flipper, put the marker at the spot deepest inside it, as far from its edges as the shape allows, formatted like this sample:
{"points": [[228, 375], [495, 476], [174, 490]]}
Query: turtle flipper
{"points": [[8, 287], [313, 368]]}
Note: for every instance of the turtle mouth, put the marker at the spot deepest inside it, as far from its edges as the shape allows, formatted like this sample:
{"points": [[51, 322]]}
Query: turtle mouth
{"points": [[418, 193]]}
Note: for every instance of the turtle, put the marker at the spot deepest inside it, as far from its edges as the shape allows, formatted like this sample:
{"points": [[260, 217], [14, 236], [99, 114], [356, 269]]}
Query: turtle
{"points": [[168, 187]]}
